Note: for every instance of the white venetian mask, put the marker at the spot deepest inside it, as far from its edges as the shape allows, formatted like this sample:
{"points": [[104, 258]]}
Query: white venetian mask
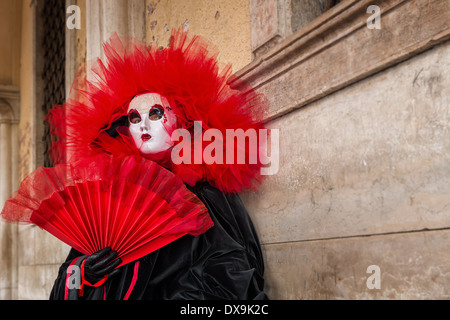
{"points": [[151, 123]]}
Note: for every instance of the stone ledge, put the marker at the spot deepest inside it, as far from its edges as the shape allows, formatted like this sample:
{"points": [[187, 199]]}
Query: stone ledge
{"points": [[337, 49], [412, 266]]}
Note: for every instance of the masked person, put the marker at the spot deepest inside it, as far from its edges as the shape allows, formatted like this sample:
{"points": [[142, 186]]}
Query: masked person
{"points": [[144, 95]]}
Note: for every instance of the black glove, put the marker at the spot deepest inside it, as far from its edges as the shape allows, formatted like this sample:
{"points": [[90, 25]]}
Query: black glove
{"points": [[100, 264]]}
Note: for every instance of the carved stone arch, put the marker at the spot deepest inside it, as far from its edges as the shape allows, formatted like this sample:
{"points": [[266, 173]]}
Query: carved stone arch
{"points": [[9, 104], [6, 112]]}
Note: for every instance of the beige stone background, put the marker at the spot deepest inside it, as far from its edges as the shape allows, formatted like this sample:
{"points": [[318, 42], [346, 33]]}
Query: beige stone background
{"points": [[363, 114]]}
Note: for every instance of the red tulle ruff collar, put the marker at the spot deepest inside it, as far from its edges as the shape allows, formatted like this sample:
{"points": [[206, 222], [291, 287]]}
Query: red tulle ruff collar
{"points": [[187, 73]]}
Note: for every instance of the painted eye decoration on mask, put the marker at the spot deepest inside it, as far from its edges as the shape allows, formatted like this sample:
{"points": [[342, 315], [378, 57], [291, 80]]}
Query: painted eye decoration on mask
{"points": [[151, 123], [134, 116], [156, 113]]}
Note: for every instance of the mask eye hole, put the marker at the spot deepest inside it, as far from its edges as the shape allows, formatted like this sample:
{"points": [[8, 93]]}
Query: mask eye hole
{"points": [[134, 117], [156, 113]]}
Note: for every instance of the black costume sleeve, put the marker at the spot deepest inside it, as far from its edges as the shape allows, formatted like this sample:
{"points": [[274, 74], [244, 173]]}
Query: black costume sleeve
{"points": [[225, 262], [233, 266], [62, 288]]}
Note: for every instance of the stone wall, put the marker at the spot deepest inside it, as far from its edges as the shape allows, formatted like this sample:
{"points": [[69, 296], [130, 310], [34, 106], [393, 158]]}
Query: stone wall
{"points": [[367, 183], [224, 23], [364, 157]]}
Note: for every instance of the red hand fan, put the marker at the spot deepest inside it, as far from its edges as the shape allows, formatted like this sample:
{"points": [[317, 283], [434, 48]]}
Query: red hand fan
{"points": [[130, 204]]}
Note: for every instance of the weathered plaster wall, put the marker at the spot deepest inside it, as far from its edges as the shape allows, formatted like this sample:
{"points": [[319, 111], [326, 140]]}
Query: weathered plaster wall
{"points": [[10, 19], [224, 23]]}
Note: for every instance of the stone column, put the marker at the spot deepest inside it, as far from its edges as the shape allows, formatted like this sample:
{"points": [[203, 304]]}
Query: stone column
{"points": [[8, 177], [5, 228], [5, 154]]}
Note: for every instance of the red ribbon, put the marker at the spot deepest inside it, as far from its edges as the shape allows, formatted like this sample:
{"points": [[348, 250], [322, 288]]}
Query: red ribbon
{"points": [[85, 282]]}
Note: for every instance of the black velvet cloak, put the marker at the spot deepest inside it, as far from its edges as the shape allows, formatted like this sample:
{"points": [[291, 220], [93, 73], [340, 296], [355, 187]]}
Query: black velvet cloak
{"points": [[223, 263]]}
